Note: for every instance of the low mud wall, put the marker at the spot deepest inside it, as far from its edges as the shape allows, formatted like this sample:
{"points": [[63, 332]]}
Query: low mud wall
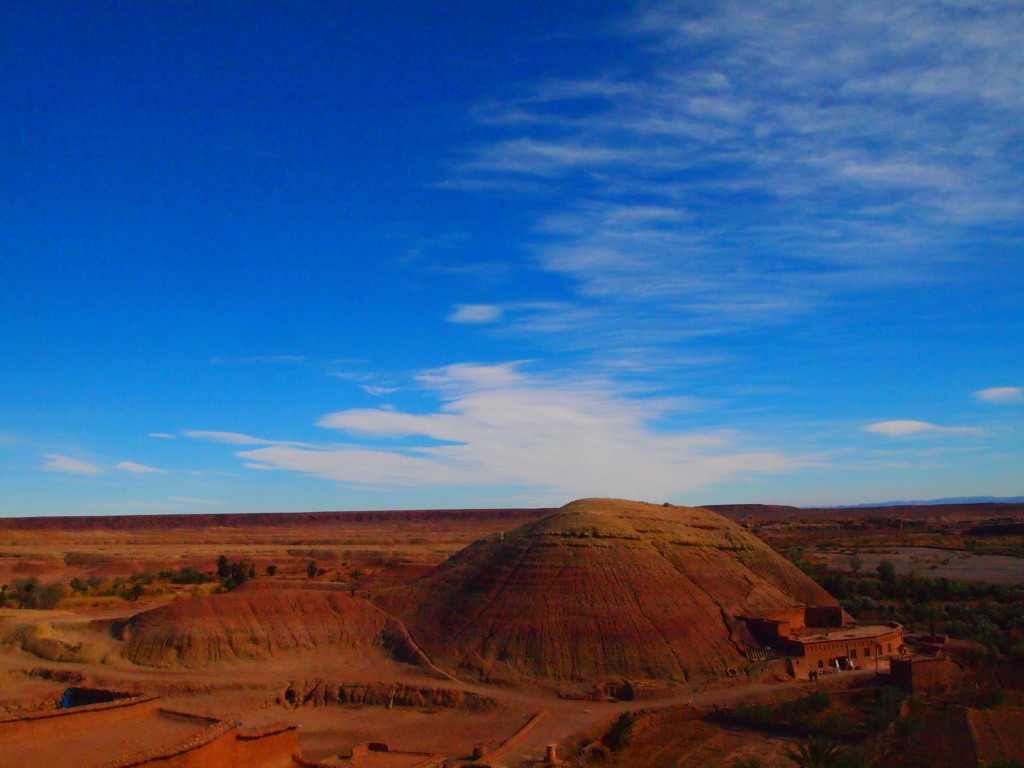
{"points": [[43, 725], [214, 747], [215, 744], [221, 745], [265, 747]]}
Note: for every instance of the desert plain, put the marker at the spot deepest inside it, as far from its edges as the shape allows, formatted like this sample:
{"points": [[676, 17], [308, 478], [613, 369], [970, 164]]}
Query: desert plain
{"points": [[605, 632]]}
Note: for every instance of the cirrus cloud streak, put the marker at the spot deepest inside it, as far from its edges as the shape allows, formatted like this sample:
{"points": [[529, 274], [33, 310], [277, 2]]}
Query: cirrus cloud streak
{"points": [[67, 465], [760, 160], [498, 427], [1000, 395], [908, 427]]}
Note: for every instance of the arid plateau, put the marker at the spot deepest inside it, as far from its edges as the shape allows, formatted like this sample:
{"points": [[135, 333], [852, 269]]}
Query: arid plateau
{"points": [[605, 632]]}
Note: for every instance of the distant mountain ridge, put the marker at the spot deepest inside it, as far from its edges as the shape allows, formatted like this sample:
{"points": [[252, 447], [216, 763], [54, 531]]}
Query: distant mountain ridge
{"points": [[961, 506], [951, 500]]}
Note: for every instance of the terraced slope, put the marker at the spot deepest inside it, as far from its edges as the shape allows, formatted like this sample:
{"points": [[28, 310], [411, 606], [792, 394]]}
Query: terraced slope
{"points": [[255, 624], [601, 588]]}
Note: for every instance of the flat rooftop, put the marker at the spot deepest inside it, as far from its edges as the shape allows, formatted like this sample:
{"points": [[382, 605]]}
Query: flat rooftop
{"points": [[76, 743], [860, 632]]}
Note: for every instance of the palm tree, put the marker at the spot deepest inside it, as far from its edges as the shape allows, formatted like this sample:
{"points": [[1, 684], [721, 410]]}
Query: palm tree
{"points": [[818, 752]]}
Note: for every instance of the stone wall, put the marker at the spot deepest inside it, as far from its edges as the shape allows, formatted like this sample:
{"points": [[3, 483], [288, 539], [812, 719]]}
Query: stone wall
{"points": [[919, 674]]}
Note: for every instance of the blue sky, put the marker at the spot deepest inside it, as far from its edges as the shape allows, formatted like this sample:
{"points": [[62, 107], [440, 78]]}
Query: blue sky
{"points": [[293, 256]]}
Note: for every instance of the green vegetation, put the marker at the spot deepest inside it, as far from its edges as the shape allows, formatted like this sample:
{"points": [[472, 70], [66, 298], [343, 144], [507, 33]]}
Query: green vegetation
{"points": [[31, 593], [186, 575], [989, 614], [851, 730], [232, 574], [820, 713], [817, 752]]}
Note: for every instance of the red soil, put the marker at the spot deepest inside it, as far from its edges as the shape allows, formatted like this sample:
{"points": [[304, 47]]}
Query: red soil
{"points": [[601, 588], [255, 624], [247, 520]]}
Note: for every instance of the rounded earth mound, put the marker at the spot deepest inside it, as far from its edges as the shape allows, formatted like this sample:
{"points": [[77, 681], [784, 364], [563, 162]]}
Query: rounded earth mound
{"points": [[253, 624], [602, 588]]}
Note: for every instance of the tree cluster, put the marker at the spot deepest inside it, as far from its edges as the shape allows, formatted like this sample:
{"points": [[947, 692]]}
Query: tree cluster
{"points": [[31, 593], [231, 574], [989, 614]]}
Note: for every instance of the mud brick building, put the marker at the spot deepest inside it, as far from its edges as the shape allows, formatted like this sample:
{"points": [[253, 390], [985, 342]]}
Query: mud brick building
{"points": [[825, 637]]}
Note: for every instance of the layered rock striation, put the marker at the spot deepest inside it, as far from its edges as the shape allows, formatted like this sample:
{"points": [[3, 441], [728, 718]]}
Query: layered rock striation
{"points": [[601, 588], [255, 624]]}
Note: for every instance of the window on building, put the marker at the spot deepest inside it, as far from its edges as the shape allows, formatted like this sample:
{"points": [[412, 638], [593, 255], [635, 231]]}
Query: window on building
{"points": [[867, 652], [888, 648], [853, 653]]}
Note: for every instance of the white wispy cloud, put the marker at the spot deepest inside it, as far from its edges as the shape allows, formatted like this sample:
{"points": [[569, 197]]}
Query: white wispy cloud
{"points": [[138, 469], [162, 435], [498, 426], [1000, 395], [232, 438], [757, 159], [475, 313], [377, 391], [55, 462], [906, 427]]}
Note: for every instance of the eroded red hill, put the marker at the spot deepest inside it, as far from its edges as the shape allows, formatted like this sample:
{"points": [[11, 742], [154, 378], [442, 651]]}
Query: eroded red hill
{"points": [[255, 624], [601, 588]]}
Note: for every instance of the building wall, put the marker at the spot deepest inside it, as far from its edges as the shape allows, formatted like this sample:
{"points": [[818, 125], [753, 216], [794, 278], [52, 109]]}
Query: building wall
{"points": [[916, 674], [776, 628], [853, 649], [217, 745], [228, 749], [266, 751], [823, 616], [218, 753], [45, 725]]}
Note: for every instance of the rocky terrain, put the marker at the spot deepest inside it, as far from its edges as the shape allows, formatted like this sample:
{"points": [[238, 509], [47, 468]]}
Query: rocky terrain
{"points": [[254, 624], [356, 625], [601, 588]]}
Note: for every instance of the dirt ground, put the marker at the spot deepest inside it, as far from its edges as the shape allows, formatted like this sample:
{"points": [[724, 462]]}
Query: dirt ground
{"points": [[337, 548], [937, 563], [372, 555]]}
